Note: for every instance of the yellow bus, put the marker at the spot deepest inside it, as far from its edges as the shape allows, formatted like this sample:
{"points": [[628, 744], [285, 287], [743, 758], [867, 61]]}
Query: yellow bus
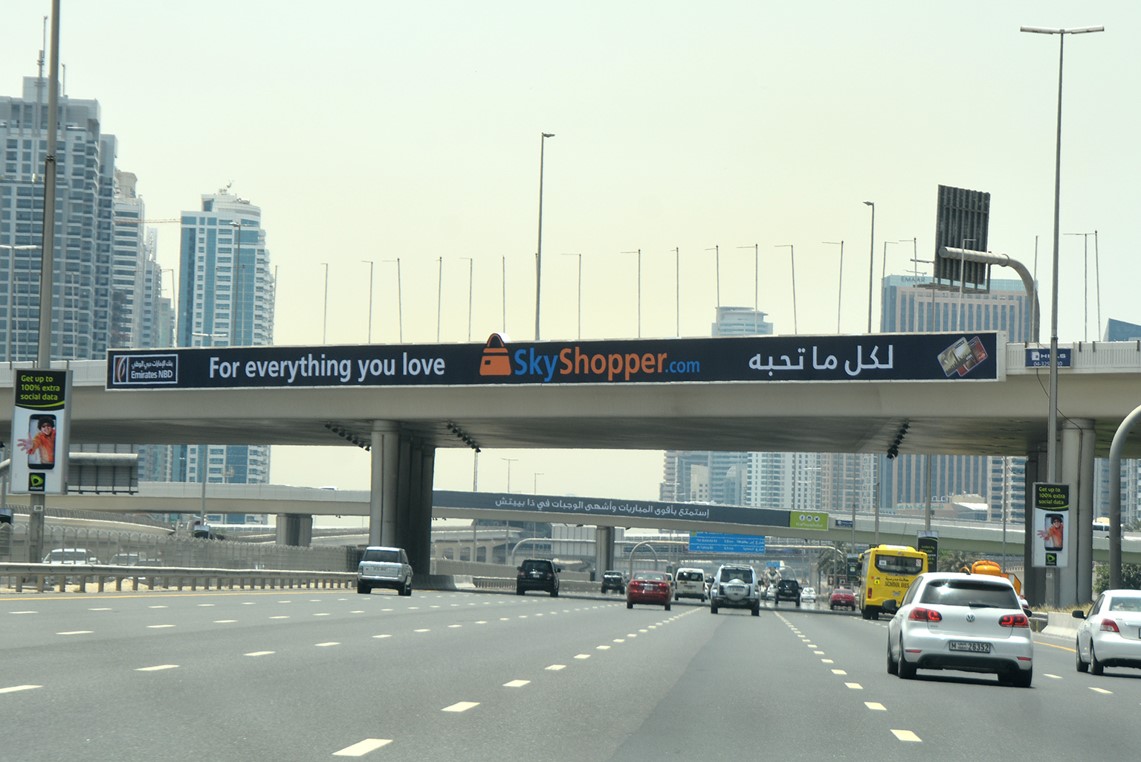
{"points": [[886, 571]]}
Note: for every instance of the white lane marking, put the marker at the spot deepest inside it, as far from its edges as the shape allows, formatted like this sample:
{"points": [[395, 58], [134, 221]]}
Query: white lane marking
{"points": [[357, 611], [327, 644], [14, 688], [157, 668], [159, 626], [259, 653], [556, 667], [381, 636], [360, 748], [75, 632], [224, 621], [452, 626], [481, 621], [205, 605], [839, 672], [818, 653], [1102, 691], [906, 735], [280, 616], [157, 607], [827, 661], [1053, 677], [322, 614], [620, 640], [631, 635], [101, 608], [422, 629], [249, 603], [461, 706], [22, 612], [582, 656], [516, 683], [855, 686], [602, 648], [875, 706]]}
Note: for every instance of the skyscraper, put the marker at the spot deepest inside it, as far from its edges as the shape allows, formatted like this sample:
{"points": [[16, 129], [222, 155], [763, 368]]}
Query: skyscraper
{"points": [[225, 298]]}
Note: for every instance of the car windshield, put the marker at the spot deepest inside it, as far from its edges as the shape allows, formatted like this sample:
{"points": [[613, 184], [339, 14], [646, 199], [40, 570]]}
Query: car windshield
{"points": [[382, 555], [974, 593], [536, 565], [70, 556]]}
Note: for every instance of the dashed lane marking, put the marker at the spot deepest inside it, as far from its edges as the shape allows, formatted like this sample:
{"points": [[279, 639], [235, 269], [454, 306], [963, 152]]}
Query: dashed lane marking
{"points": [[516, 683], [906, 735], [360, 748], [461, 706], [259, 653], [875, 706], [15, 688], [157, 668]]}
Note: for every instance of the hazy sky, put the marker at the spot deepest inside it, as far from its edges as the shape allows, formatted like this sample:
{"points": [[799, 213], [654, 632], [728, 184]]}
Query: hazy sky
{"points": [[379, 131]]}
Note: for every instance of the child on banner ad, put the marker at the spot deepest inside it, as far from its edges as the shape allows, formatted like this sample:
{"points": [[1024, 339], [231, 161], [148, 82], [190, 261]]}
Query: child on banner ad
{"points": [[1051, 525]]}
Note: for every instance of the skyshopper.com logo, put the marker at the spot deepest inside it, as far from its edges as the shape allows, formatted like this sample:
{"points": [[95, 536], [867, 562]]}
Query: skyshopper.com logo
{"points": [[578, 364]]}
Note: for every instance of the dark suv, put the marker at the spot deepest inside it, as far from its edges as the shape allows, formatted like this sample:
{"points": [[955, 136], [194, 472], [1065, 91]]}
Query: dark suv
{"points": [[787, 590], [538, 574], [613, 580]]}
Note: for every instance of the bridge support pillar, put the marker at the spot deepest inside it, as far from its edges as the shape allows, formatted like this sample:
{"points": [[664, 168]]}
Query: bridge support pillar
{"points": [[382, 495], [414, 522], [604, 549], [1075, 583], [294, 529]]}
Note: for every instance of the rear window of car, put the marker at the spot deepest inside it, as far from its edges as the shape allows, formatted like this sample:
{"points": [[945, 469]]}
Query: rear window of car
{"points": [[1131, 603], [690, 576], [651, 576], [382, 555], [955, 592], [898, 564], [737, 573], [536, 565]]}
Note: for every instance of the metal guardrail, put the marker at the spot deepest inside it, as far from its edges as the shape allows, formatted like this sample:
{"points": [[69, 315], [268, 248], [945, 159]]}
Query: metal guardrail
{"points": [[80, 578]]}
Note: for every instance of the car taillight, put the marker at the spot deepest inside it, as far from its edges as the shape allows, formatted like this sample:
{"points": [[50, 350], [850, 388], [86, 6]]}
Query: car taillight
{"points": [[925, 615], [1013, 620], [1108, 625]]}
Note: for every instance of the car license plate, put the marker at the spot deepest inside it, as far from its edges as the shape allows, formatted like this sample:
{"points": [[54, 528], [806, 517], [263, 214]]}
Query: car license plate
{"points": [[972, 647]]}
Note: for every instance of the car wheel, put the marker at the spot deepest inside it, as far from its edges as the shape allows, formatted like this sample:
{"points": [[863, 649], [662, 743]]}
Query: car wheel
{"points": [[712, 607], [555, 593], [1095, 666], [1081, 665], [1022, 678], [667, 605], [798, 603], [904, 669], [831, 607], [629, 605], [362, 588], [892, 666], [518, 591], [407, 589], [757, 609]]}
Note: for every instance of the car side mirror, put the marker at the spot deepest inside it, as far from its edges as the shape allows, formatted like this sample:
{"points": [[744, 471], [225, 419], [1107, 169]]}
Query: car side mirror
{"points": [[1079, 614], [558, 569], [518, 568]]}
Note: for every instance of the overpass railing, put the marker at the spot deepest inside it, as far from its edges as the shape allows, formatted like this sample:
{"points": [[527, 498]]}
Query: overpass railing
{"points": [[101, 578]]}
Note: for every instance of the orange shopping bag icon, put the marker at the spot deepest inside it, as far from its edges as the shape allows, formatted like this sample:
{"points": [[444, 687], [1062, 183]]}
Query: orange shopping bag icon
{"points": [[494, 361]]}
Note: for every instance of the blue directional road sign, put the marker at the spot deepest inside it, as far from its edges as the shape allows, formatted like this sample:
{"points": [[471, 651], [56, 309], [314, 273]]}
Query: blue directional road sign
{"points": [[718, 542]]}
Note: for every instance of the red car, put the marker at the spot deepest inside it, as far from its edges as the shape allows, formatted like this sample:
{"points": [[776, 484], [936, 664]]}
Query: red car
{"points": [[842, 598], [649, 587]]}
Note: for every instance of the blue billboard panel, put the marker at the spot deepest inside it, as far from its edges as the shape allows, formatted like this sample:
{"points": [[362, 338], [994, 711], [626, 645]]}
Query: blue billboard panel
{"points": [[719, 542]]}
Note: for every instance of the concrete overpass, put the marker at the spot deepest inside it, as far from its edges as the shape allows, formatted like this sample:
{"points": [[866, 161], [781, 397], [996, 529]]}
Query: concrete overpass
{"points": [[856, 394]]}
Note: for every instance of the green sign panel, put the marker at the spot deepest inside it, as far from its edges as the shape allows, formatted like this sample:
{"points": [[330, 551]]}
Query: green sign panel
{"points": [[816, 520]]}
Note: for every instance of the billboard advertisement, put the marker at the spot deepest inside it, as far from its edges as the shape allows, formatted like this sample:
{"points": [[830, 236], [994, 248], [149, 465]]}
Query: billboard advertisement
{"points": [[1051, 525], [40, 432]]}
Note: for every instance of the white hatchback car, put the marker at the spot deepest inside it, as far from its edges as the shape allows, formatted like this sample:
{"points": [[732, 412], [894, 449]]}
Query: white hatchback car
{"points": [[1110, 633], [968, 622], [808, 595], [689, 583]]}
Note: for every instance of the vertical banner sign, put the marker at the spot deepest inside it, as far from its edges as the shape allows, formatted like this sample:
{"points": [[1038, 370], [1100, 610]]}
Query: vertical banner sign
{"points": [[1051, 525], [928, 542], [40, 432]]}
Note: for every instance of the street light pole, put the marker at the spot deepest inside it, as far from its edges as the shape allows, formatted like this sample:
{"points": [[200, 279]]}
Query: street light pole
{"points": [[470, 272], [871, 262], [639, 253], [840, 285], [1052, 428], [1085, 286], [439, 297], [792, 259], [677, 290], [399, 301], [369, 262], [756, 247], [539, 249], [717, 270], [325, 311], [509, 461]]}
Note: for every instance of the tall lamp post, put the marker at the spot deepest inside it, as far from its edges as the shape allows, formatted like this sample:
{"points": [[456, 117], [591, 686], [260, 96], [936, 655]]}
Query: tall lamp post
{"points": [[1052, 428], [204, 459], [840, 285], [539, 249], [871, 262], [470, 273], [1085, 286], [369, 262], [756, 247], [792, 259], [639, 253], [399, 301], [325, 310]]}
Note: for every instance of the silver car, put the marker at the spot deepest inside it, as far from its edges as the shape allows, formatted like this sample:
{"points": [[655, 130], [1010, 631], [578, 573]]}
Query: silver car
{"points": [[1110, 633], [384, 567], [968, 622]]}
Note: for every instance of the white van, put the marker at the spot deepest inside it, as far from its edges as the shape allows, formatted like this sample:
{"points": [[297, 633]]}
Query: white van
{"points": [[689, 583]]}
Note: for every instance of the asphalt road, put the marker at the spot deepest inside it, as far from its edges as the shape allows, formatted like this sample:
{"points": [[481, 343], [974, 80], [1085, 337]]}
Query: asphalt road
{"points": [[307, 675]]}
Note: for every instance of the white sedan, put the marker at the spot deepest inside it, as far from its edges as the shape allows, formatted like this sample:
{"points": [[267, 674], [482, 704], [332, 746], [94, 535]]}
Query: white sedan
{"points": [[1110, 633], [808, 595], [968, 622]]}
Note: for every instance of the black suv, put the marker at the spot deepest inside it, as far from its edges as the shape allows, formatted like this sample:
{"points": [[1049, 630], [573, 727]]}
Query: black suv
{"points": [[613, 580], [538, 574], [787, 590]]}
